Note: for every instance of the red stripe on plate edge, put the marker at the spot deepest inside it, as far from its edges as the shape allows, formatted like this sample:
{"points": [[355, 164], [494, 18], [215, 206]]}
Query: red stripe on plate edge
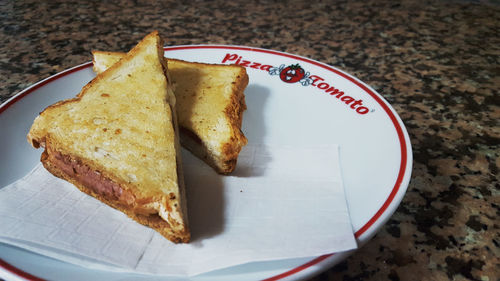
{"points": [[17, 271], [7, 104], [314, 261], [391, 115], [40, 84], [299, 268], [402, 142]]}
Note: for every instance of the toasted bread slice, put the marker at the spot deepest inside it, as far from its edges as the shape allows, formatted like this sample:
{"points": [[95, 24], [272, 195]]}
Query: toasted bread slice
{"points": [[118, 141], [210, 105]]}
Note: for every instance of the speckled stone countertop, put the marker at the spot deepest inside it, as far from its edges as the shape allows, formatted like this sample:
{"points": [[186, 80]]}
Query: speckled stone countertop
{"points": [[436, 62]]}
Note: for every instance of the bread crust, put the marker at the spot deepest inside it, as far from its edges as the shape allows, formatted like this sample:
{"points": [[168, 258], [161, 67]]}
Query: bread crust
{"points": [[234, 112], [224, 162]]}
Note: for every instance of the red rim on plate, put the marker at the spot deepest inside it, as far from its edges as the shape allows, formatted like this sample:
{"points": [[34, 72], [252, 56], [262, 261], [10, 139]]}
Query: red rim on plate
{"points": [[357, 234]]}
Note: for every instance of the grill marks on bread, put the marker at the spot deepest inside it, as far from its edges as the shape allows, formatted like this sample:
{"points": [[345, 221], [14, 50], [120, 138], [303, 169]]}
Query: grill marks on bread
{"points": [[210, 106]]}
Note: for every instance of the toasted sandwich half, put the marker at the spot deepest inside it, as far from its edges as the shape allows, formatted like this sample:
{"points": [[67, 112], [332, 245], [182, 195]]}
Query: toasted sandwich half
{"points": [[210, 105], [117, 141]]}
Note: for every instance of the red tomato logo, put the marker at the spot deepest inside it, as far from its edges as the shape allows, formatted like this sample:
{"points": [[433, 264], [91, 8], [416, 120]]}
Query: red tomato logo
{"points": [[292, 73]]}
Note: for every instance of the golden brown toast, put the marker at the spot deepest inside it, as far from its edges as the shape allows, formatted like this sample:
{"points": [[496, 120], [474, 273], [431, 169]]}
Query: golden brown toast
{"points": [[117, 141], [210, 105]]}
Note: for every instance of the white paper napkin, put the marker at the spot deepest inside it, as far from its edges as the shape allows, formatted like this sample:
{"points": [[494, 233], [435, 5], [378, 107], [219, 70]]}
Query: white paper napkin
{"points": [[280, 202]]}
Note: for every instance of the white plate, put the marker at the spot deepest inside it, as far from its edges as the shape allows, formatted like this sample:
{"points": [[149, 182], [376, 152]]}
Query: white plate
{"points": [[325, 106]]}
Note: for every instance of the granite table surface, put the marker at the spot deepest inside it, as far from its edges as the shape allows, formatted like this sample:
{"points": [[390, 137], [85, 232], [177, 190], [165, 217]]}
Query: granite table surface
{"points": [[436, 62]]}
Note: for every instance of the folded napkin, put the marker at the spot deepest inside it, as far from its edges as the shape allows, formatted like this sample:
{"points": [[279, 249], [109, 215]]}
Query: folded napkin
{"points": [[280, 203]]}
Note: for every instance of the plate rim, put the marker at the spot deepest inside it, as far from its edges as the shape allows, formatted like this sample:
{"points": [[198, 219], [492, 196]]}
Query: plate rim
{"points": [[376, 221]]}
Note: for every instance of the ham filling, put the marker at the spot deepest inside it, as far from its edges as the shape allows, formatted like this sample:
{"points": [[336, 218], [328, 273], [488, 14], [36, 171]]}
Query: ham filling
{"points": [[107, 188], [91, 179]]}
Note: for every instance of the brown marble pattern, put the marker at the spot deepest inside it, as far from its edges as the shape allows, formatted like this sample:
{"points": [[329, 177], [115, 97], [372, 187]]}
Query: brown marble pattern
{"points": [[436, 62]]}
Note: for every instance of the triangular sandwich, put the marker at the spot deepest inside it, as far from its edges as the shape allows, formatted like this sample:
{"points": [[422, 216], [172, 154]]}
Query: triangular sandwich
{"points": [[118, 141], [210, 105]]}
